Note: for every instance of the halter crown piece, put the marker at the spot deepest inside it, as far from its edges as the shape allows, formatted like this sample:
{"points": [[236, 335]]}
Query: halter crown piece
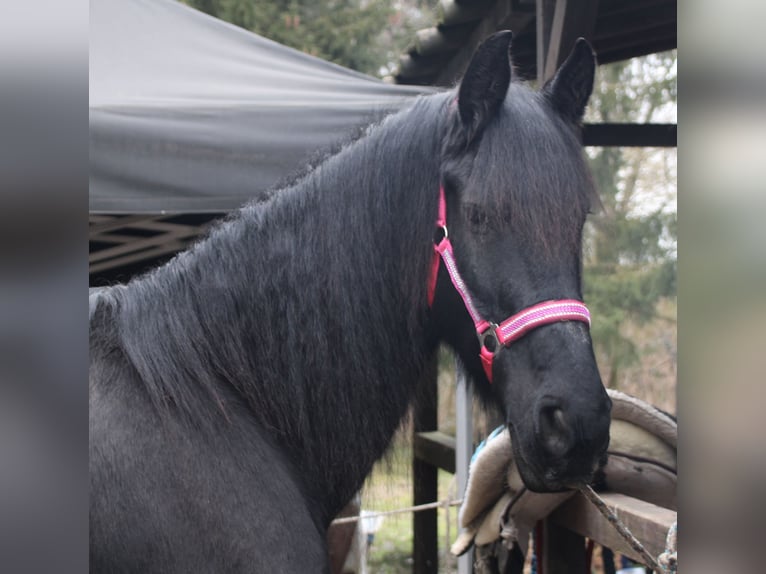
{"points": [[491, 335]]}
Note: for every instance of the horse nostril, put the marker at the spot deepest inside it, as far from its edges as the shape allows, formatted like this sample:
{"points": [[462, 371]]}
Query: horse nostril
{"points": [[555, 432]]}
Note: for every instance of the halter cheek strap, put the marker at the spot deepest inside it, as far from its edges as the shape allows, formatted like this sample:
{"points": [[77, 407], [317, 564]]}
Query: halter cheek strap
{"points": [[492, 336]]}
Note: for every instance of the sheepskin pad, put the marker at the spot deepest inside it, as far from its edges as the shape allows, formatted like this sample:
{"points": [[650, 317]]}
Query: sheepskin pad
{"points": [[641, 463]]}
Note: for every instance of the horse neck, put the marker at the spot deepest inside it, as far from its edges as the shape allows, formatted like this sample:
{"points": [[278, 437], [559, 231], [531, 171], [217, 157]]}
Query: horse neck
{"points": [[311, 307]]}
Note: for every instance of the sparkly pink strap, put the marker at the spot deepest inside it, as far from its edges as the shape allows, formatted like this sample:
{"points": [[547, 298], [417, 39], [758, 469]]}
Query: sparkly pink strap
{"points": [[445, 250], [541, 314], [441, 220], [515, 326], [441, 223]]}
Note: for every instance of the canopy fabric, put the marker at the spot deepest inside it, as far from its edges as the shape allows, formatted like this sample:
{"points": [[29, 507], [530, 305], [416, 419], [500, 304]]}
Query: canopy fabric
{"points": [[191, 114]]}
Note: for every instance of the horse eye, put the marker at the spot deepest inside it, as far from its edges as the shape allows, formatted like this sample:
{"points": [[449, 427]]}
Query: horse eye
{"points": [[477, 219]]}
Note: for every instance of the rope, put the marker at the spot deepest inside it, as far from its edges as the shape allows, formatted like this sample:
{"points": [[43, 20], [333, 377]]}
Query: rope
{"points": [[632, 541], [669, 559], [418, 508]]}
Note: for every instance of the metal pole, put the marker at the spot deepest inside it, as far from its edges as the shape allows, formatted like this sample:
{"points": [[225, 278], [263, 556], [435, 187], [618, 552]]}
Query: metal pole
{"points": [[463, 448]]}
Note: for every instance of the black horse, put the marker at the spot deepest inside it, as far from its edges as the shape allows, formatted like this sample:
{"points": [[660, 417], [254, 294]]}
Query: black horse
{"points": [[240, 394]]}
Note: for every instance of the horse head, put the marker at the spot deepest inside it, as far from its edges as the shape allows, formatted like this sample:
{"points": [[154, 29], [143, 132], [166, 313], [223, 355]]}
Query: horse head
{"points": [[516, 192]]}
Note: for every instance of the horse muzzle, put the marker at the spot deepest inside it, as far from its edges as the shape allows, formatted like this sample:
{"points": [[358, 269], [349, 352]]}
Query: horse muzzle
{"points": [[563, 445]]}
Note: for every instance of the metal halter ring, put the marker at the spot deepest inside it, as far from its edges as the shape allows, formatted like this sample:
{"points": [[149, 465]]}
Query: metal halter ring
{"points": [[490, 335], [445, 234]]}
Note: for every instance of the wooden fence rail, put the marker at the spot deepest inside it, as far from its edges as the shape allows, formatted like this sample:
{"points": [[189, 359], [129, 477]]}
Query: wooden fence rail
{"points": [[567, 527], [564, 530]]}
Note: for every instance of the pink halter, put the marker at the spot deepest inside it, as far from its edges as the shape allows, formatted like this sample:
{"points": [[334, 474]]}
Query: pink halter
{"points": [[515, 326]]}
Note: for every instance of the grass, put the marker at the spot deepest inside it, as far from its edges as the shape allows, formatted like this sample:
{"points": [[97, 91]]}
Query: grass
{"points": [[389, 487]]}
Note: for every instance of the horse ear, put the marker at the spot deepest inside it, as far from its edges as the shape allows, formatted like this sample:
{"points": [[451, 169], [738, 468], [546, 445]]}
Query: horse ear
{"points": [[569, 89], [485, 83]]}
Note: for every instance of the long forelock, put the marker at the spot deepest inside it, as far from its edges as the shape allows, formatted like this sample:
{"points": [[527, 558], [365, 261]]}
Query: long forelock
{"points": [[530, 171]]}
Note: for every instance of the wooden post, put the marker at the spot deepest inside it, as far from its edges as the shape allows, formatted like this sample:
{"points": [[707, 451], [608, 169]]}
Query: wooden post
{"points": [[340, 537], [425, 551], [563, 550], [559, 24], [544, 20]]}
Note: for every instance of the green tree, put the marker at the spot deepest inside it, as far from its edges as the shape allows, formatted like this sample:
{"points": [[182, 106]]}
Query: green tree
{"points": [[630, 248], [364, 35]]}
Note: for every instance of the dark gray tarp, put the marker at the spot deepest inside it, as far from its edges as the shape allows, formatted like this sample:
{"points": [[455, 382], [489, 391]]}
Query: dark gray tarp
{"points": [[191, 114]]}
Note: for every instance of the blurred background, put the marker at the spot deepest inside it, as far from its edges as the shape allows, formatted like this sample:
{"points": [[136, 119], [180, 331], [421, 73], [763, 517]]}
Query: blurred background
{"points": [[632, 258]]}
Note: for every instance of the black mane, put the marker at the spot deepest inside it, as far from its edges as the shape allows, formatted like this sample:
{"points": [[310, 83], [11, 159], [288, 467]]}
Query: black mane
{"points": [[319, 264]]}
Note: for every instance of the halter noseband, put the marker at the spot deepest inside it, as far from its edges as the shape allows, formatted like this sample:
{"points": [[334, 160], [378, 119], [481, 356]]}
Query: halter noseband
{"points": [[491, 335]]}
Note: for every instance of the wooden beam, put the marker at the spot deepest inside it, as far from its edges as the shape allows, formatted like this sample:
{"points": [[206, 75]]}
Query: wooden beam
{"points": [[436, 448], [136, 257], [117, 223], [618, 30], [168, 227], [630, 135], [552, 55], [638, 39], [544, 19], [640, 20], [112, 238], [621, 6], [620, 54], [648, 522], [141, 244], [95, 218], [560, 23]]}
